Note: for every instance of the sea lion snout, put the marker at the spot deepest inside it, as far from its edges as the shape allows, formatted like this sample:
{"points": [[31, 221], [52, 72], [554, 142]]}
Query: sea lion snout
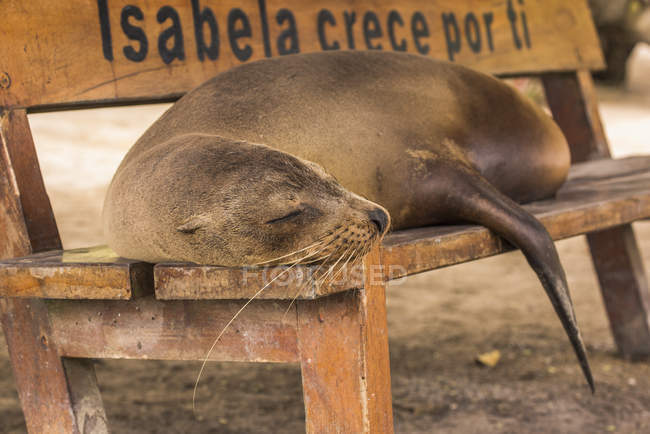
{"points": [[380, 218]]}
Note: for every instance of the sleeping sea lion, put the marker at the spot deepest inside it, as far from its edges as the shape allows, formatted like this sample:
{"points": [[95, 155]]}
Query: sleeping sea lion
{"points": [[303, 157]]}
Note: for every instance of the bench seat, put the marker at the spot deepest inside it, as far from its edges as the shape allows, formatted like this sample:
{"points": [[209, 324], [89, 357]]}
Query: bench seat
{"points": [[598, 195]]}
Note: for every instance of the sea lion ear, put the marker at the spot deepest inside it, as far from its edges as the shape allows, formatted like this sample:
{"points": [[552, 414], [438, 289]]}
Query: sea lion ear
{"points": [[192, 224]]}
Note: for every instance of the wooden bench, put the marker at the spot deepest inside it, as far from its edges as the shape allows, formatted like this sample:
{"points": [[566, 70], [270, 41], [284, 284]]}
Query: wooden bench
{"points": [[61, 308]]}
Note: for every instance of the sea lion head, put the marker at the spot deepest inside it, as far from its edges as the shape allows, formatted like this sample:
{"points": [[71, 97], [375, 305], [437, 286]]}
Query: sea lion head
{"points": [[214, 200]]}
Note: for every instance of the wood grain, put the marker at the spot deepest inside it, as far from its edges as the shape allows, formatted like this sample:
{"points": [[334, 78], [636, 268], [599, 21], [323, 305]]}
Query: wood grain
{"points": [[572, 99], [35, 203], [624, 286], [146, 328], [87, 403], [614, 252], [46, 394], [191, 281], [343, 342], [61, 55], [37, 368], [14, 237], [598, 195], [89, 273]]}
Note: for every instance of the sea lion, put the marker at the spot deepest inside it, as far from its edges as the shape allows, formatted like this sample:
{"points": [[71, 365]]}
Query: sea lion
{"points": [[276, 159]]}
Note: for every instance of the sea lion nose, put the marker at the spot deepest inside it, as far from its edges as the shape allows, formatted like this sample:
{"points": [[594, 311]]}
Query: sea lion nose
{"points": [[379, 218]]}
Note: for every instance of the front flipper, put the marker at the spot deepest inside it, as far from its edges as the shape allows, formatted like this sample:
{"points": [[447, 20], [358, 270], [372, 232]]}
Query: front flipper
{"points": [[472, 198]]}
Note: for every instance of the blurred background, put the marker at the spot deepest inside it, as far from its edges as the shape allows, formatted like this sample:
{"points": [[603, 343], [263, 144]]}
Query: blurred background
{"points": [[439, 322]]}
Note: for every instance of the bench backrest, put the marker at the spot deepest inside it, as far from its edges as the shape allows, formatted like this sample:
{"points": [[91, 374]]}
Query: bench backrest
{"points": [[77, 53], [84, 53]]}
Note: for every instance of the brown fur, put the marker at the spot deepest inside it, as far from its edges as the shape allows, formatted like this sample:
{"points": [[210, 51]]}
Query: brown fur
{"points": [[205, 199]]}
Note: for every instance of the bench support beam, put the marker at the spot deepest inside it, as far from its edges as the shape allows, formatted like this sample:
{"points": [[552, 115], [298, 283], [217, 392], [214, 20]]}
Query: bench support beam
{"points": [[50, 389], [343, 343], [616, 258]]}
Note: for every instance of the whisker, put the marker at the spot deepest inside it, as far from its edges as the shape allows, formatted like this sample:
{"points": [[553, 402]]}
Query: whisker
{"points": [[342, 267], [333, 266], [311, 279], [324, 239], [205, 360], [318, 242]]}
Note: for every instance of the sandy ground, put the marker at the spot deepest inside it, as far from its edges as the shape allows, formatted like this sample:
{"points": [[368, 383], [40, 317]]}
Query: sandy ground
{"points": [[438, 321]]}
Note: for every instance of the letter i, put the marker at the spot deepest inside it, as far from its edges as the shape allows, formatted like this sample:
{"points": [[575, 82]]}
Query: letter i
{"points": [[512, 16], [524, 23]]}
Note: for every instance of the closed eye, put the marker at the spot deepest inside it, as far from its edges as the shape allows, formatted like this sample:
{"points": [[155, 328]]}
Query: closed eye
{"points": [[289, 216]]}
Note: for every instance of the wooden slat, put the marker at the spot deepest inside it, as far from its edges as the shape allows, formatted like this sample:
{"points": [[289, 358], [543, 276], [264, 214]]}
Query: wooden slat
{"points": [[92, 52], [39, 218], [598, 195], [14, 235], [145, 328], [190, 281], [92, 273], [572, 99]]}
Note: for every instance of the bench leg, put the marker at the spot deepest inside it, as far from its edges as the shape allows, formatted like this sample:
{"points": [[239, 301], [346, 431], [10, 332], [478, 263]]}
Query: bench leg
{"points": [[343, 344], [57, 395], [624, 286], [572, 99]]}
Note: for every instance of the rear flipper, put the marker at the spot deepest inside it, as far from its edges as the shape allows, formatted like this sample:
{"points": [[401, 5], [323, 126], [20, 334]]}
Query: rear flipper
{"points": [[474, 199]]}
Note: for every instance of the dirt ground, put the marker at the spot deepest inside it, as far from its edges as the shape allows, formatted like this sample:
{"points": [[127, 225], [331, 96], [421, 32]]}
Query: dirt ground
{"points": [[438, 322]]}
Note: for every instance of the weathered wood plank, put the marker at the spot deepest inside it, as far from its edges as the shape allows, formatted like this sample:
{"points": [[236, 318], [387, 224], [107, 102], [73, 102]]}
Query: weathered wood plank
{"points": [[87, 403], [343, 342], [37, 368], [90, 273], [146, 328], [39, 218], [191, 281], [624, 286], [89, 52], [599, 194], [572, 99], [14, 235]]}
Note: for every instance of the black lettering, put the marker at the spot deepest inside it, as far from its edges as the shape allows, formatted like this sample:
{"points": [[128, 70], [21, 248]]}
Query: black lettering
{"points": [[420, 29], [235, 32], [371, 30], [325, 16], [261, 4], [174, 31], [473, 32], [105, 27], [488, 17], [202, 17], [350, 19], [512, 16], [453, 41], [134, 33], [395, 17], [524, 23], [288, 38]]}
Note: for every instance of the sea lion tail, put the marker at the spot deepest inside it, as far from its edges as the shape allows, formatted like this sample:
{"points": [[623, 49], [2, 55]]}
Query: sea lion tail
{"points": [[476, 200]]}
